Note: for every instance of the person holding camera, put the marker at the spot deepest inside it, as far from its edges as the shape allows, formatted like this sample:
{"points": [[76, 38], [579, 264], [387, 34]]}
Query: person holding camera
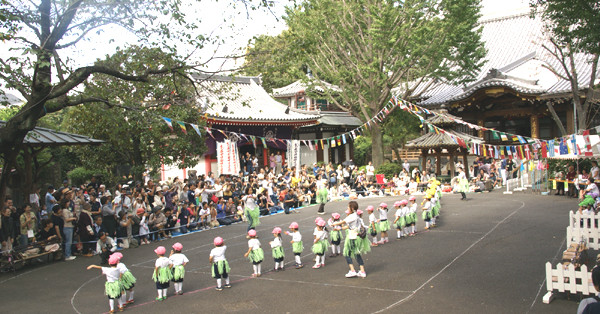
{"points": [[104, 247]]}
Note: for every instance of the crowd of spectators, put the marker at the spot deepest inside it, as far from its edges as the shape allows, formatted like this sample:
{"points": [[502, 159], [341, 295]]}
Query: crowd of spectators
{"points": [[93, 219]]}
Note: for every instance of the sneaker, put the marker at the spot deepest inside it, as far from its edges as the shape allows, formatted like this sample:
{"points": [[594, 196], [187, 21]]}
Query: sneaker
{"points": [[322, 264], [351, 274], [281, 268], [164, 298], [299, 266], [70, 258], [362, 274], [316, 266], [120, 309], [159, 298], [180, 292], [227, 286], [219, 288]]}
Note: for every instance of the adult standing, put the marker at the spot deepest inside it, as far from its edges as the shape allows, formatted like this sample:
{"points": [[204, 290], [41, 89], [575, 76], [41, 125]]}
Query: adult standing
{"points": [[85, 225], [321, 194], [50, 200], [503, 165], [251, 211], [68, 229], [28, 224], [354, 245], [278, 163], [370, 169], [461, 183], [406, 166], [109, 222]]}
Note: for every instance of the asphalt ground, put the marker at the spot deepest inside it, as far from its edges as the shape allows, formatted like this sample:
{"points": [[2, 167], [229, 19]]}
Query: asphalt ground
{"points": [[487, 254]]}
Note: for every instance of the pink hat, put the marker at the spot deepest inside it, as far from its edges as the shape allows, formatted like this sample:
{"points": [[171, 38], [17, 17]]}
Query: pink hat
{"points": [[113, 260], [370, 208], [118, 255], [321, 223], [384, 205], [317, 219], [403, 202], [412, 198], [359, 212], [218, 241], [139, 211], [276, 230], [160, 250], [294, 225], [177, 246], [252, 233], [397, 203], [335, 216]]}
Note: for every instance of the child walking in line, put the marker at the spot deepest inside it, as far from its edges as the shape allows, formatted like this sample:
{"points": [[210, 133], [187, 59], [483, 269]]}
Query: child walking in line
{"points": [[162, 274], [373, 224], [255, 253], [112, 287], [427, 210], [277, 249], [219, 265], [399, 221], [384, 224], [320, 244], [127, 280], [297, 246], [335, 235], [178, 260], [354, 245], [413, 215]]}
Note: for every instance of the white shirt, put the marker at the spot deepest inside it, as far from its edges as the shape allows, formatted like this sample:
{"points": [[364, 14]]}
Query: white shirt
{"points": [[330, 223], [370, 170], [405, 211], [595, 173], [320, 235], [112, 273], [218, 253], [254, 244], [178, 259], [372, 218], [353, 221], [413, 208], [399, 212], [427, 205], [162, 262], [592, 187], [382, 214], [275, 243], [122, 268], [296, 236]]}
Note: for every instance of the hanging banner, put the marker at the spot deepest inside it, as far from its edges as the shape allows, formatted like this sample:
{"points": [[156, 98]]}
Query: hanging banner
{"points": [[228, 161], [293, 155]]}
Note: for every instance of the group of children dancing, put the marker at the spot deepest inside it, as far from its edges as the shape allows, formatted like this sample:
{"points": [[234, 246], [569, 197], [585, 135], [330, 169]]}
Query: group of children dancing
{"points": [[326, 234]]}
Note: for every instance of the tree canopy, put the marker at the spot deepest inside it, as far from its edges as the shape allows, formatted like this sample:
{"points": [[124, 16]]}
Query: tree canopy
{"points": [[369, 47]]}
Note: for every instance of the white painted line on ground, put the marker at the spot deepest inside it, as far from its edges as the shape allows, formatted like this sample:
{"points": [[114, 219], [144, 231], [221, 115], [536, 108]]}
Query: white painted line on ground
{"points": [[560, 249]]}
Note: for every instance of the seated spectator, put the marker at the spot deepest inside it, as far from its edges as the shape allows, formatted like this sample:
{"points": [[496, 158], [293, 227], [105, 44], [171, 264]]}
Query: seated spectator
{"points": [[203, 215], [360, 189], [48, 234], [104, 247], [222, 213], [28, 225], [185, 218], [171, 221], [290, 201]]}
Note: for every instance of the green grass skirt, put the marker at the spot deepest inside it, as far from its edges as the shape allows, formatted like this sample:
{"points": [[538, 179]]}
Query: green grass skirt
{"points": [[297, 247], [401, 223], [222, 268], [256, 255], [384, 226], [127, 280], [352, 247], [278, 252], [178, 272], [113, 289], [164, 275], [320, 247]]}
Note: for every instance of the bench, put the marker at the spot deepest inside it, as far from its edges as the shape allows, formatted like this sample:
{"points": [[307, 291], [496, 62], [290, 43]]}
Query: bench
{"points": [[23, 255]]}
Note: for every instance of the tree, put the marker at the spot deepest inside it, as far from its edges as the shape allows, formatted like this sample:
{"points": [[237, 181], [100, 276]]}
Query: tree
{"points": [[401, 127], [41, 34], [137, 135], [369, 47], [574, 41]]}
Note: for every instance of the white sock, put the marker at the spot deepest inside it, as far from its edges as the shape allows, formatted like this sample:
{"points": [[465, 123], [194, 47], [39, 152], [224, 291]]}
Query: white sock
{"points": [[160, 294], [323, 259], [414, 229], [111, 303], [399, 233], [227, 280], [219, 282], [297, 258], [317, 260], [122, 298], [374, 240], [427, 224], [333, 248], [255, 267], [120, 301], [339, 249], [433, 221], [131, 295], [165, 293], [276, 265], [181, 286], [258, 268]]}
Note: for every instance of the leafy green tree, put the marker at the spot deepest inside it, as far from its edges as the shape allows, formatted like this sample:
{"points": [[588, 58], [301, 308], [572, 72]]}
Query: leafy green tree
{"points": [[131, 123], [369, 47], [575, 39], [43, 34], [400, 126]]}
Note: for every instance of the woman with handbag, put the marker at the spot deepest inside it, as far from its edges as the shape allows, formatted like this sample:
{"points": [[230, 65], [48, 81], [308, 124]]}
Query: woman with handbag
{"points": [[86, 230], [354, 243]]}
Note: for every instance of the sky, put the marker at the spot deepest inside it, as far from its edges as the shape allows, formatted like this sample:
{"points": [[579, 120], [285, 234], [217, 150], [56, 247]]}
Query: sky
{"points": [[236, 27]]}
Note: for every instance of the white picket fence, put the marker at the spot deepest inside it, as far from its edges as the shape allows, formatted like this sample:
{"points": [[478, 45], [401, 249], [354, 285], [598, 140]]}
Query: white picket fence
{"points": [[567, 279], [584, 227]]}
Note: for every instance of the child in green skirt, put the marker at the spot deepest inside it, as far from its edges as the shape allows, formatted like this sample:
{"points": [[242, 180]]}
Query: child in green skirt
{"points": [[320, 244], [335, 235], [384, 224], [255, 253], [127, 280], [162, 274], [112, 287], [178, 260], [219, 265], [297, 246], [277, 249]]}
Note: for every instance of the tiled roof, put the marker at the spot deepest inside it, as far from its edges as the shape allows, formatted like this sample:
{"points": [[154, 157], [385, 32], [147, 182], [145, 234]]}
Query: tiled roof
{"points": [[435, 140], [515, 59], [47, 137], [242, 99], [300, 86], [443, 119], [339, 119]]}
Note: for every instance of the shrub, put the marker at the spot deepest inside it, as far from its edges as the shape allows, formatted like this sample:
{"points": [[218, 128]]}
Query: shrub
{"points": [[389, 169]]}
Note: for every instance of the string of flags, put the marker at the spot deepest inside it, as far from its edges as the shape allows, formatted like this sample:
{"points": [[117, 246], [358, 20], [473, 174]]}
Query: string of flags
{"points": [[522, 147]]}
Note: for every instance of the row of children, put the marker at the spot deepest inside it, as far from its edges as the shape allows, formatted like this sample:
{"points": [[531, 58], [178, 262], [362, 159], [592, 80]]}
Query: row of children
{"points": [[120, 281]]}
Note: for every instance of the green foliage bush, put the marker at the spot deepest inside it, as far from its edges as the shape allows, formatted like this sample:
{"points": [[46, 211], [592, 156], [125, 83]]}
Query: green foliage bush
{"points": [[389, 169], [82, 175]]}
